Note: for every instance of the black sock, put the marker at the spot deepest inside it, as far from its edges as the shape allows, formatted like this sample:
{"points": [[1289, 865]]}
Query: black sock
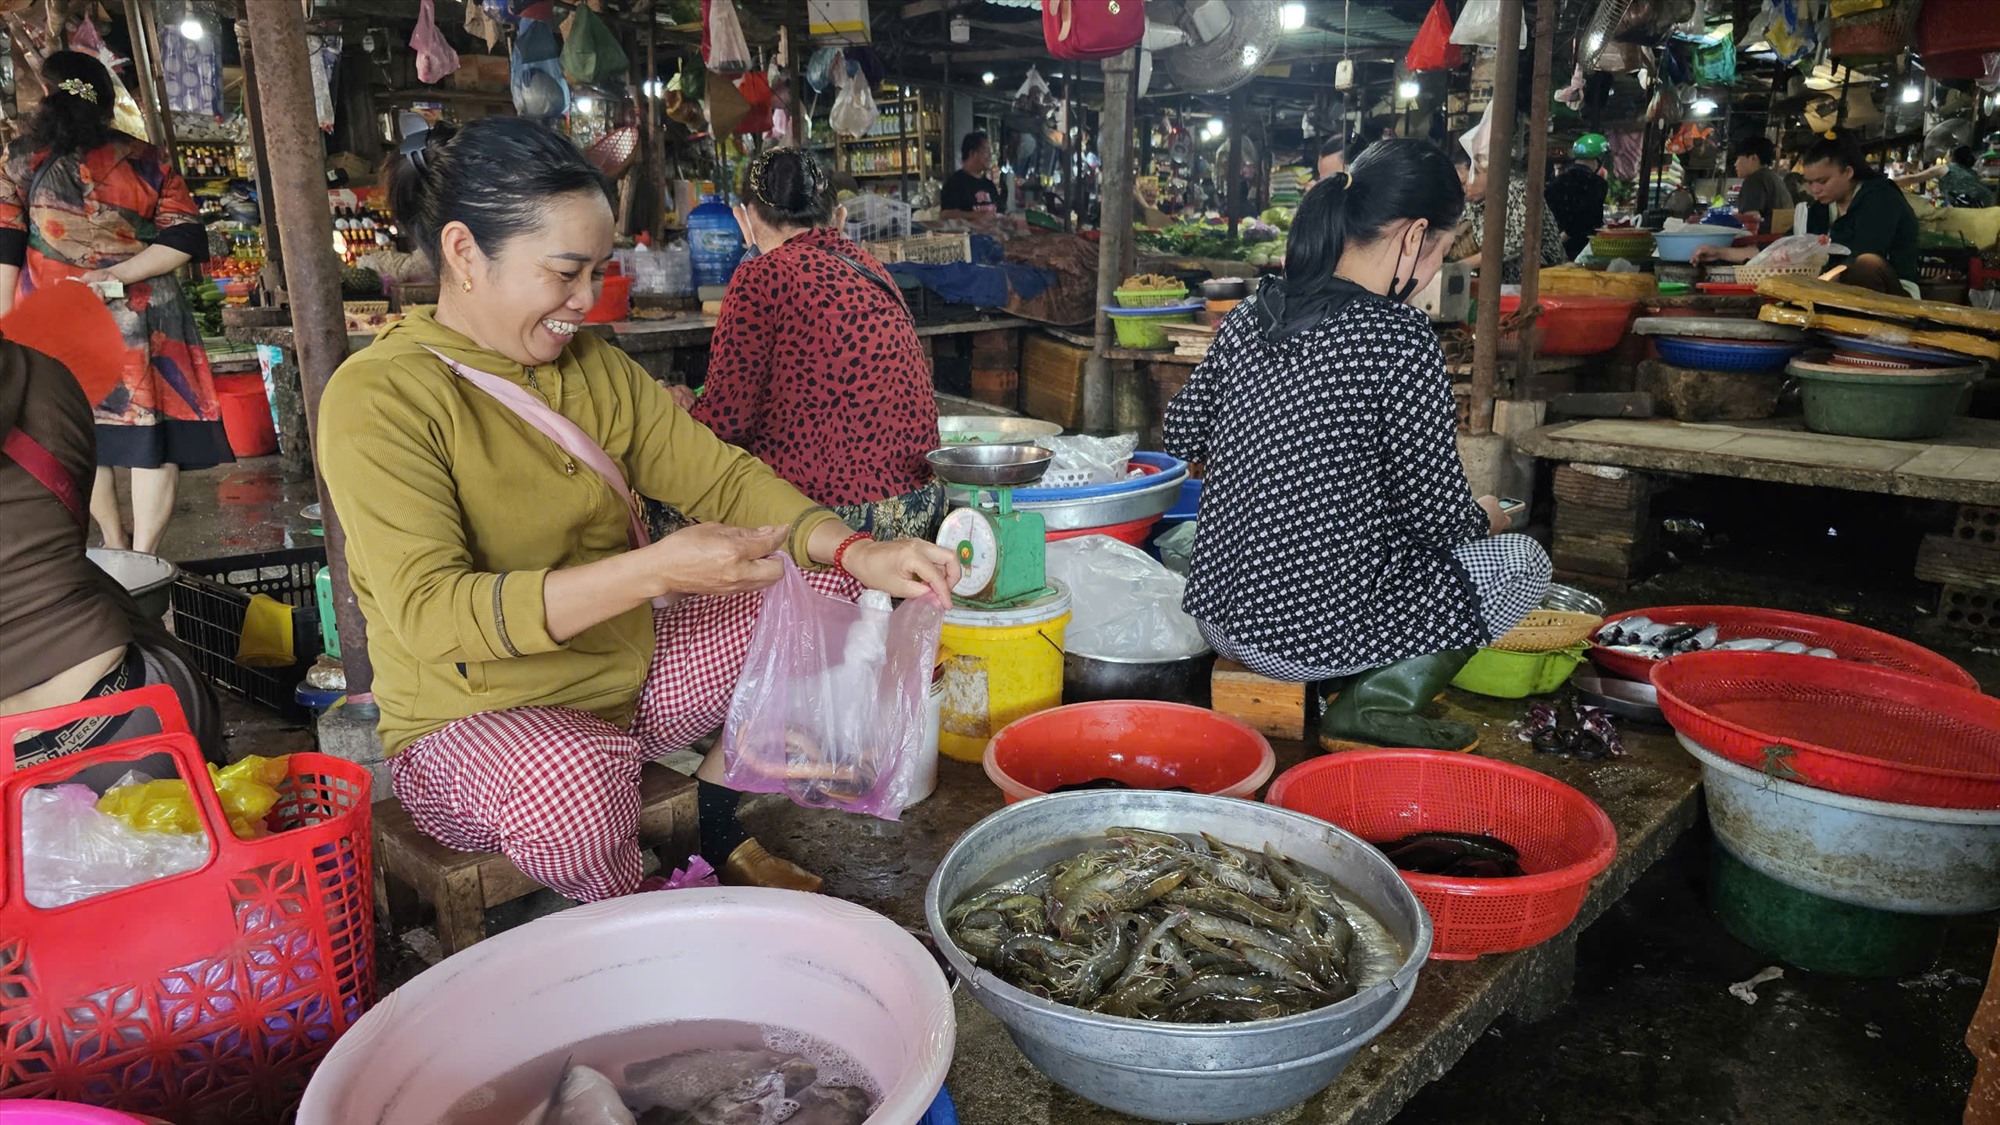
{"points": [[715, 819]]}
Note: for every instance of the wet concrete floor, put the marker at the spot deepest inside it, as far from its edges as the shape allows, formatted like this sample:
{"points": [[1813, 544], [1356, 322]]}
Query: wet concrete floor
{"points": [[1651, 1033]]}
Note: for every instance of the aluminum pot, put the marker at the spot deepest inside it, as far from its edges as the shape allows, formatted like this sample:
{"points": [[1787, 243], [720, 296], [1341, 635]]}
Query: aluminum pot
{"points": [[1184, 1072], [148, 578], [1090, 678], [1906, 858]]}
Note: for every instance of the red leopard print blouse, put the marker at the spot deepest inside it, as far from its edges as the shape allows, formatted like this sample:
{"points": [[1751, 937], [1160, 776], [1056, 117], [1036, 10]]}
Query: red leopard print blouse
{"points": [[818, 371]]}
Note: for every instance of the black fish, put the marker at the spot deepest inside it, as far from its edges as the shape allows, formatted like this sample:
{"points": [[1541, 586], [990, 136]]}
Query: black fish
{"points": [[1114, 783], [1460, 855]]}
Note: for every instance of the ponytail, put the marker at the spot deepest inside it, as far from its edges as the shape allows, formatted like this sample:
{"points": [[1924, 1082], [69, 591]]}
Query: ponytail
{"points": [[1395, 180]]}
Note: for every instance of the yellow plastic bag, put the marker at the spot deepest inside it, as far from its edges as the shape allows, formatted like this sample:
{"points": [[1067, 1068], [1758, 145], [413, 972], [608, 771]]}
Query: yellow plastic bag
{"points": [[247, 789]]}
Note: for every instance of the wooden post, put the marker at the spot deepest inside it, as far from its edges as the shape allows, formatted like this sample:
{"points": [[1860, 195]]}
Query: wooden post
{"points": [[274, 256], [142, 23], [1538, 174], [297, 159], [1492, 250], [1238, 101], [1114, 137]]}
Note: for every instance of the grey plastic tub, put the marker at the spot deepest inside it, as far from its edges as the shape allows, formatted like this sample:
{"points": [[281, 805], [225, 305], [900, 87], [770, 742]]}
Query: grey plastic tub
{"points": [[1907, 858], [1184, 1072]]}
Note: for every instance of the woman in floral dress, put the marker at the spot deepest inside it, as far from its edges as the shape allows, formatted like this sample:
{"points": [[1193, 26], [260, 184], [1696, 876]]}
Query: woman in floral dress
{"points": [[80, 200]]}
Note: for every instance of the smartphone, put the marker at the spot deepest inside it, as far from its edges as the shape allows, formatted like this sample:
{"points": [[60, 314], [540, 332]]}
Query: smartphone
{"points": [[1510, 507]]}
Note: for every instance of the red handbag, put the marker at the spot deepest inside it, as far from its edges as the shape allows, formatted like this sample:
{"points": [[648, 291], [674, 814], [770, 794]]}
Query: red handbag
{"points": [[1092, 29]]}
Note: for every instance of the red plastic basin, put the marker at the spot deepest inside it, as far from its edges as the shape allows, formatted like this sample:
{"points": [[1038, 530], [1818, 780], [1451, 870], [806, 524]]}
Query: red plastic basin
{"points": [[1564, 839], [1134, 533], [1578, 325], [246, 415], [1143, 744]]}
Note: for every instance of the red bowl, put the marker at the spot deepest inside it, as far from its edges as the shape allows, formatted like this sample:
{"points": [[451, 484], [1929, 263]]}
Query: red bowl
{"points": [[1579, 325], [1564, 838], [1731, 622], [1141, 743]]}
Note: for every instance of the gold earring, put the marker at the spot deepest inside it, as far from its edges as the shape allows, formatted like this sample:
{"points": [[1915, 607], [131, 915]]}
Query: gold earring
{"points": [[466, 285]]}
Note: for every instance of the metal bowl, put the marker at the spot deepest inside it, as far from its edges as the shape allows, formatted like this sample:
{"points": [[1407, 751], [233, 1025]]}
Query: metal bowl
{"points": [[1627, 699], [148, 578], [996, 429], [990, 466], [1225, 289], [1155, 499], [1087, 679], [1184, 1072], [1573, 600]]}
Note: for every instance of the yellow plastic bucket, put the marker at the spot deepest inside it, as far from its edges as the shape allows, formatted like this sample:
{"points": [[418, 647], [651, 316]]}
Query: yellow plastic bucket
{"points": [[999, 665]]}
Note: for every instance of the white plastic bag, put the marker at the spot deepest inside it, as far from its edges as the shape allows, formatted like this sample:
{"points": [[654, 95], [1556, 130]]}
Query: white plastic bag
{"points": [[830, 709], [853, 111], [1812, 251], [1104, 460], [728, 53], [1033, 96], [1123, 604], [1479, 25], [435, 58], [71, 852]]}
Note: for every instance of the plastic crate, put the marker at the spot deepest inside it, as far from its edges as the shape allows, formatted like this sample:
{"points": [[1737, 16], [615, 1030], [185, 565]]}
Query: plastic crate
{"points": [[877, 218], [209, 995], [210, 599]]}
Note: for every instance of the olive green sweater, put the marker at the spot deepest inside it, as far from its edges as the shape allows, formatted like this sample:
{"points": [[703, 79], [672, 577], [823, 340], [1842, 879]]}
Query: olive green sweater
{"points": [[455, 510]]}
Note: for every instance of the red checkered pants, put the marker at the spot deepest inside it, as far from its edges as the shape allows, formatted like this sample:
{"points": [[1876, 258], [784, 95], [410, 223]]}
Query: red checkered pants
{"points": [[556, 790]]}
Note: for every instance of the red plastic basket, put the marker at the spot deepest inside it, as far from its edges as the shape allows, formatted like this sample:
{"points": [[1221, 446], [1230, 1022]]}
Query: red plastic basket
{"points": [[1579, 325], [1564, 839], [1853, 642], [204, 996], [1839, 726]]}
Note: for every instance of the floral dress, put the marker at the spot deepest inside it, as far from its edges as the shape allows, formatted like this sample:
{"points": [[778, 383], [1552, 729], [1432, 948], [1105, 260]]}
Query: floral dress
{"points": [[62, 216]]}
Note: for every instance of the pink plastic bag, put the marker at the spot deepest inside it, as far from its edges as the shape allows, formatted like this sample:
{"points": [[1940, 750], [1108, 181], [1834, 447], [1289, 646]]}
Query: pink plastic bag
{"points": [[830, 709], [435, 58]]}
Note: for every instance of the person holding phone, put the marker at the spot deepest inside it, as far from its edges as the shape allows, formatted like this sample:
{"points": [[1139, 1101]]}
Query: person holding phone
{"points": [[1338, 536]]}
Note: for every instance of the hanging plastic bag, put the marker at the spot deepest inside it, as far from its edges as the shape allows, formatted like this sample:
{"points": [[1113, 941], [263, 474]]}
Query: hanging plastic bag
{"points": [[534, 75], [1794, 251], [480, 24], [830, 708], [756, 91], [1123, 604], [1714, 61], [435, 58], [591, 53], [1033, 96], [1433, 48], [723, 47], [1479, 25], [854, 110]]}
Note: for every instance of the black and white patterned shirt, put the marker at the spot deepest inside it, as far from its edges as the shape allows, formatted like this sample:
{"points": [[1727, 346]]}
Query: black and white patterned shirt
{"points": [[1334, 493]]}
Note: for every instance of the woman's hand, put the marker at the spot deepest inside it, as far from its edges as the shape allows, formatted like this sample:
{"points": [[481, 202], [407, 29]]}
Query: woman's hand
{"points": [[1723, 254], [1497, 520], [682, 397], [903, 568], [715, 559]]}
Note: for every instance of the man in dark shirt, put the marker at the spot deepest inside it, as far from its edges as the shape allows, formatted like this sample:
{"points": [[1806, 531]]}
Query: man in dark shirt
{"points": [[1576, 196], [969, 193], [1764, 192]]}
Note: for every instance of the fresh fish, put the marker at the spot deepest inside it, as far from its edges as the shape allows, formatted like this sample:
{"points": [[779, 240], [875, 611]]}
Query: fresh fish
{"points": [[831, 1105], [1792, 647], [1705, 639], [680, 1082], [582, 1096], [1457, 854], [1823, 653], [1747, 644]]}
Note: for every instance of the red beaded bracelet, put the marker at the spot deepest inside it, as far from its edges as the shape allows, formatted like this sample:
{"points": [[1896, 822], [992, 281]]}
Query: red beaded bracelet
{"points": [[840, 552]]}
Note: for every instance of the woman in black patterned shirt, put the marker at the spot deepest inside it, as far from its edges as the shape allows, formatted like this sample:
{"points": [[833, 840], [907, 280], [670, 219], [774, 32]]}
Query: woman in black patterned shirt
{"points": [[1337, 535]]}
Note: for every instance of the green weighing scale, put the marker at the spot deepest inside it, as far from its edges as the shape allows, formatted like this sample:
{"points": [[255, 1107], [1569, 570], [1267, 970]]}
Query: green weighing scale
{"points": [[1003, 553]]}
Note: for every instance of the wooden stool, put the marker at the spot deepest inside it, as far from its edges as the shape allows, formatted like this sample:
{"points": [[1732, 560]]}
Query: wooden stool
{"points": [[411, 869], [1273, 708]]}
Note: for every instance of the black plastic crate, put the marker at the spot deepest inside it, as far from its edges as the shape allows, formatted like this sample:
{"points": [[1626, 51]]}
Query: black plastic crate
{"points": [[210, 599]]}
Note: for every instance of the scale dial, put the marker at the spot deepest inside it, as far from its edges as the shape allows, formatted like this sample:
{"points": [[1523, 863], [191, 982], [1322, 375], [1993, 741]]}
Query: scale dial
{"points": [[969, 533]]}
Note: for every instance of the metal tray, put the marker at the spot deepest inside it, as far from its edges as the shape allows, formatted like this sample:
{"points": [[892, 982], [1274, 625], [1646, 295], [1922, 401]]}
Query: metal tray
{"points": [[1627, 699]]}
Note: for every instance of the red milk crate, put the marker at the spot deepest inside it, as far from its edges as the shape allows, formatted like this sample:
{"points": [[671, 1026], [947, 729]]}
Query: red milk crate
{"points": [[203, 996]]}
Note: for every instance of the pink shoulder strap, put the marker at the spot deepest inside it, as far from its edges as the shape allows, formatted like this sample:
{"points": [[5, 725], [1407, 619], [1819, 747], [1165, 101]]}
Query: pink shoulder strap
{"points": [[565, 433]]}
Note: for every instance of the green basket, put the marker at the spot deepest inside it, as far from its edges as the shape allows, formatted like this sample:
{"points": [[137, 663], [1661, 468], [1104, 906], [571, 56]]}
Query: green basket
{"points": [[1814, 933], [1149, 298], [1146, 330], [1517, 675]]}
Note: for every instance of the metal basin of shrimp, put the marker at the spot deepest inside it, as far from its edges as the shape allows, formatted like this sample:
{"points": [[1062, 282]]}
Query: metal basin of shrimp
{"points": [[1176, 956]]}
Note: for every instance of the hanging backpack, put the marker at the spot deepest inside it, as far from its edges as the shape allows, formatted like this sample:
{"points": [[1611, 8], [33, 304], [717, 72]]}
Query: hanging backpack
{"points": [[1092, 29]]}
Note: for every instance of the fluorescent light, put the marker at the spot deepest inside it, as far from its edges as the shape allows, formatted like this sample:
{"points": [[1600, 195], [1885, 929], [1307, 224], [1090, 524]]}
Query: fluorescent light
{"points": [[1409, 89], [1912, 94], [1214, 128], [1596, 42], [191, 29], [1292, 17], [987, 78], [1704, 106], [586, 104]]}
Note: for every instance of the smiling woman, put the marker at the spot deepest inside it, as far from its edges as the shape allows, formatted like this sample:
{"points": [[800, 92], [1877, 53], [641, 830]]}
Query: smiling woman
{"points": [[532, 648]]}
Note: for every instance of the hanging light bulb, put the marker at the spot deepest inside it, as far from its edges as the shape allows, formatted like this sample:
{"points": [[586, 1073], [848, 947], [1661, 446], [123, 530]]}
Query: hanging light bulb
{"points": [[1912, 94], [191, 29], [1703, 107], [1292, 17], [1409, 89], [586, 104]]}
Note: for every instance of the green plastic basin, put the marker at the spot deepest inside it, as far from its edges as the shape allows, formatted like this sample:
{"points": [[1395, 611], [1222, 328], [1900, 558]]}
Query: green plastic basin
{"points": [[1814, 933], [1881, 406], [1517, 675]]}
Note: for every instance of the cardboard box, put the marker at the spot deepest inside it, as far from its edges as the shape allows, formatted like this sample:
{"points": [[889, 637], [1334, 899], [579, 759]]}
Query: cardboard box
{"points": [[1052, 380]]}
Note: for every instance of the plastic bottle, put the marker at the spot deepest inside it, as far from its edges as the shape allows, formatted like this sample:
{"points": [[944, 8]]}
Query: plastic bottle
{"points": [[716, 241]]}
